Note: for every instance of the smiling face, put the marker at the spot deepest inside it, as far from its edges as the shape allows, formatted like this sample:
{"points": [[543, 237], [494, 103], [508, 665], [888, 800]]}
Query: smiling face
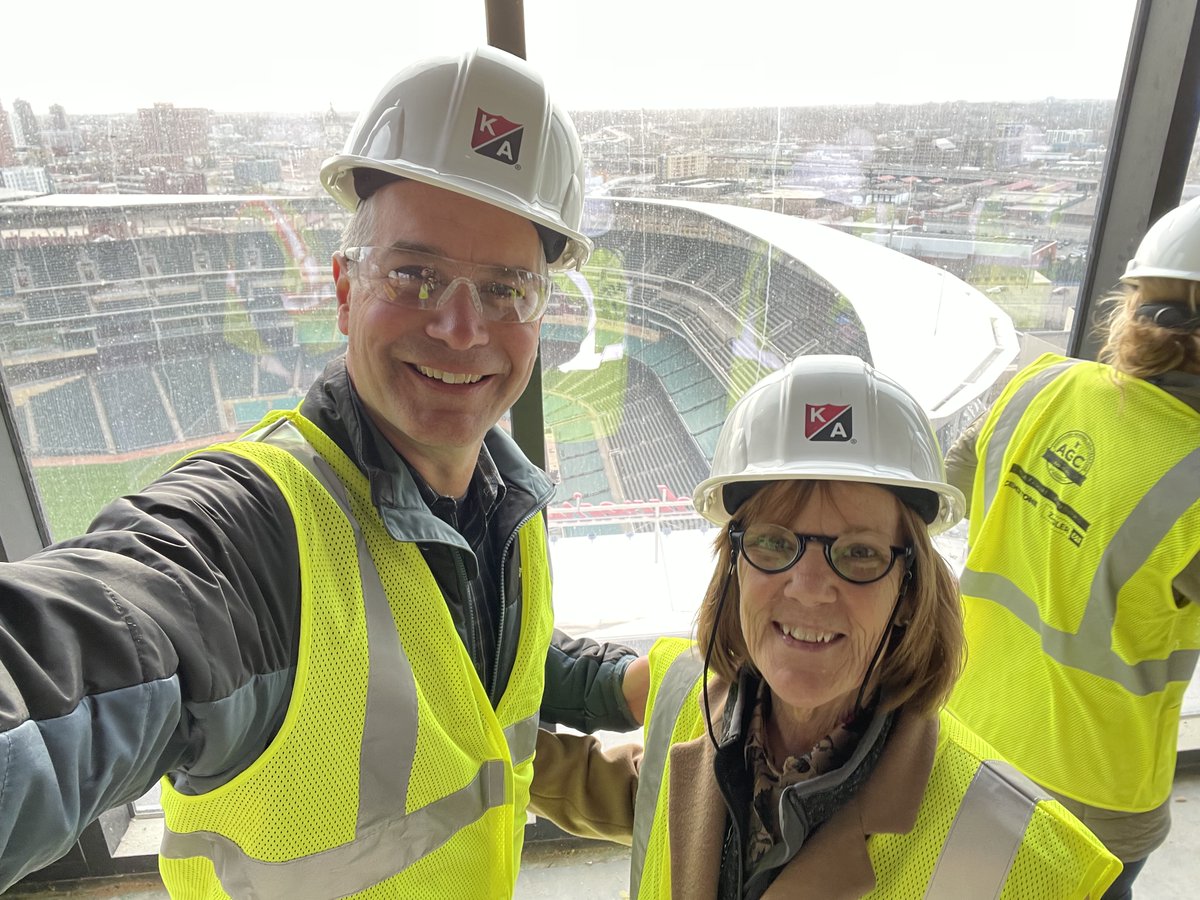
{"points": [[434, 381], [809, 632]]}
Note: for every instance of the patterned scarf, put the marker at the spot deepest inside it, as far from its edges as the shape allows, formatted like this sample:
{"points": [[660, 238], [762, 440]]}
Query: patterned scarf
{"points": [[827, 755]]}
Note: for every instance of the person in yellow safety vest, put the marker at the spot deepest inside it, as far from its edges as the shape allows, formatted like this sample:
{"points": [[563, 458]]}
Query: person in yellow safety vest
{"points": [[1082, 583], [812, 760], [332, 636]]}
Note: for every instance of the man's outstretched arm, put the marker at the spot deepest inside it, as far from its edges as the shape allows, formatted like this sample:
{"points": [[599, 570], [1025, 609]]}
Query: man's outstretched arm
{"points": [[593, 687], [147, 645]]}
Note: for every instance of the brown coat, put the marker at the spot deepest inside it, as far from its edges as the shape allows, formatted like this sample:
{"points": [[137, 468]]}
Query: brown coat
{"points": [[590, 792]]}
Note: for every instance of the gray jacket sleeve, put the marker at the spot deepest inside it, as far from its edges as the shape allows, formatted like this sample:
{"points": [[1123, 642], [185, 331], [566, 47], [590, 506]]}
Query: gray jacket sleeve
{"points": [[583, 685], [163, 642], [962, 460], [138, 649]]}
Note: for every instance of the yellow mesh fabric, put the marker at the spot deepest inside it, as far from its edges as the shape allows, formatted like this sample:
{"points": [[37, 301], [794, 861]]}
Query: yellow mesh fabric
{"points": [[523, 698], [904, 863], [271, 810], [1058, 859], [656, 872], [1138, 635], [1075, 710], [474, 864], [190, 878], [272, 803]]}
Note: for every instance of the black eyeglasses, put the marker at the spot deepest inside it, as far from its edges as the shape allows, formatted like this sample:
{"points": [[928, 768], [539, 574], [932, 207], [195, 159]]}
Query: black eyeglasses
{"points": [[859, 560]]}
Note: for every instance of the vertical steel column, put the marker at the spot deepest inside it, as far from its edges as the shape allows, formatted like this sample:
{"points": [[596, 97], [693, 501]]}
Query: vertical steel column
{"points": [[23, 528], [1153, 131], [506, 30]]}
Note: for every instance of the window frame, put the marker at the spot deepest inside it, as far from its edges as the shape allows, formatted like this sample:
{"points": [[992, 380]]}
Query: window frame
{"points": [[1150, 144], [1152, 136]]}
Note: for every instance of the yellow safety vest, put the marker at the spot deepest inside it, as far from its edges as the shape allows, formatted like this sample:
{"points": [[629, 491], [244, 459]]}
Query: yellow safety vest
{"points": [[391, 776], [1085, 507], [983, 830]]}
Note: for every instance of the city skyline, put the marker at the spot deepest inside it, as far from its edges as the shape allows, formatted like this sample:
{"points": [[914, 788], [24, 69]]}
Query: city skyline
{"points": [[622, 55]]}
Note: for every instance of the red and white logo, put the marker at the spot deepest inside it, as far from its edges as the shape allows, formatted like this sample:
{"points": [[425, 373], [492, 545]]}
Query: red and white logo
{"points": [[496, 137], [828, 422]]}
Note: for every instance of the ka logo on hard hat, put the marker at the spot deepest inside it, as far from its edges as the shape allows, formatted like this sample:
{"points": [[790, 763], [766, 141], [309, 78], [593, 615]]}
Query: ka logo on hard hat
{"points": [[496, 137], [828, 422]]}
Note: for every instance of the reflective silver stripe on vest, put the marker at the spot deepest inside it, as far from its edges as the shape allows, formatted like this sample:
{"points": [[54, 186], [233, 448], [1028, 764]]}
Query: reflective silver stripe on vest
{"points": [[668, 702], [1006, 427], [369, 859], [386, 841], [986, 834], [1090, 649], [522, 739]]}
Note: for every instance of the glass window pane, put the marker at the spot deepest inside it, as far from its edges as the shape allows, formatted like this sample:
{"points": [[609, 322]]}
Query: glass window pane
{"points": [[164, 242], [799, 180], [913, 184], [1191, 187]]}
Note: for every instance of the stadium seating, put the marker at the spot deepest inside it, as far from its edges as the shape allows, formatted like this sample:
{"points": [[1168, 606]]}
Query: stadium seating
{"points": [[66, 421], [686, 318]]}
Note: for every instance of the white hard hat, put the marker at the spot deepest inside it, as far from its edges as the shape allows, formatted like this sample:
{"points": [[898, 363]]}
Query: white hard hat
{"points": [[1171, 248], [829, 418], [480, 124]]}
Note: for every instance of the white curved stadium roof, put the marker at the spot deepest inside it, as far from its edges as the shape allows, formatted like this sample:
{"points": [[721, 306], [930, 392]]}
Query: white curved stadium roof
{"points": [[944, 340]]}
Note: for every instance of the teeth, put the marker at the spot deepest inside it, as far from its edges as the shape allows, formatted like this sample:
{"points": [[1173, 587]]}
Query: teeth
{"points": [[448, 377], [811, 637]]}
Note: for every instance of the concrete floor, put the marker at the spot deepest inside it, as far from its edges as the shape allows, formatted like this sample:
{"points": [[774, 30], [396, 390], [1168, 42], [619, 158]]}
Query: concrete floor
{"points": [[599, 871], [1174, 868]]}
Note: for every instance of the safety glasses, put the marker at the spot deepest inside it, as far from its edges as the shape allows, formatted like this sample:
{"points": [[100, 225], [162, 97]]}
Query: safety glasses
{"points": [[418, 280]]}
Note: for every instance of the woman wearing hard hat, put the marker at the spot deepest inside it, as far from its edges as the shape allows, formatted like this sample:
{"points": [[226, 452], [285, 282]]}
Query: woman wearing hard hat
{"points": [[1082, 591], [813, 761]]}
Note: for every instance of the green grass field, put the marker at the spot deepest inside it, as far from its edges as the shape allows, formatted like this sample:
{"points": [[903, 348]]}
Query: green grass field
{"points": [[73, 494]]}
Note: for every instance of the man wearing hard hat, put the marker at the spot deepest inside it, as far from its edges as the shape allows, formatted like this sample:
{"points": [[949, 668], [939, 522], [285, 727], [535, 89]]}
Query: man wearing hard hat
{"points": [[332, 635]]}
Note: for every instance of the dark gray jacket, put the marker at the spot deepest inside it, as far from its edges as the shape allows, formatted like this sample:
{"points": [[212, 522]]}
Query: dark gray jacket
{"points": [[164, 639]]}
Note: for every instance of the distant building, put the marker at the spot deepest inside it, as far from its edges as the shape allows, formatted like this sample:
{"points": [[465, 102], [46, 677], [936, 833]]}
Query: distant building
{"points": [[791, 200], [29, 133], [61, 142], [160, 180], [253, 173], [1018, 258], [678, 166], [8, 153], [335, 127], [26, 178], [1073, 138], [168, 131], [58, 117], [992, 153]]}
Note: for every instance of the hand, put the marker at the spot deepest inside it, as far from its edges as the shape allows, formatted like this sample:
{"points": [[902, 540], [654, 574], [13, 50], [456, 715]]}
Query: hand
{"points": [[636, 686]]}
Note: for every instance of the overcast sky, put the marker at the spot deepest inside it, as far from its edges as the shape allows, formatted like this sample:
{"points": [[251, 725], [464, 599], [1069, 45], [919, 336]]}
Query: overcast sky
{"points": [[240, 55]]}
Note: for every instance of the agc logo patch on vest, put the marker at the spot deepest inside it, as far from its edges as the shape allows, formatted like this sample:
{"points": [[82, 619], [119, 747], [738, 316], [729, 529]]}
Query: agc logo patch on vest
{"points": [[1070, 457]]}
